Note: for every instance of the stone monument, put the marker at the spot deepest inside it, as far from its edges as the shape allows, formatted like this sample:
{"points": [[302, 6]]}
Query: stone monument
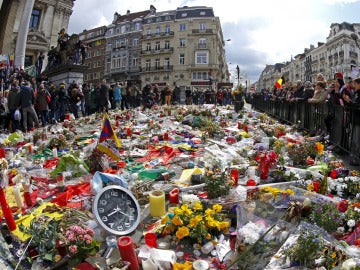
{"points": [[61, 67]]}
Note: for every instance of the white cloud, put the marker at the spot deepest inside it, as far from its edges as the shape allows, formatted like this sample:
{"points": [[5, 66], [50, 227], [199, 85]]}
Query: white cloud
{"points": [[261, 32]]}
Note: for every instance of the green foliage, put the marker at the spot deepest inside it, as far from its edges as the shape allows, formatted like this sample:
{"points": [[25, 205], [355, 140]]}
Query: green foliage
{"points": [[44, 231], [217, 184], [326, 215], [306, 248]]}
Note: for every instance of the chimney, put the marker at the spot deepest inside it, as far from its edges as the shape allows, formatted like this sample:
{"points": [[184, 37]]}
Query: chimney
{"points": [[127, 12]]}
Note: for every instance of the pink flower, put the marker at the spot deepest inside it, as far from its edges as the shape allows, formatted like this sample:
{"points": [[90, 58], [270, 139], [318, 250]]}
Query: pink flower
{"points": [[70, 236], [73, 249], [87, 239]]}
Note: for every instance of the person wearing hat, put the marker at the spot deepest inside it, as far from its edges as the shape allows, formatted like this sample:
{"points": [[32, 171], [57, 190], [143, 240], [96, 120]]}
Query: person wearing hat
{"points": [[354, 104]]}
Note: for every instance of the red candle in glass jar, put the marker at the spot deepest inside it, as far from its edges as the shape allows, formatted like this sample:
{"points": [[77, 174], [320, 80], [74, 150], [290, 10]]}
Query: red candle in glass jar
{"points": [[27, 198], [127, 252], [239, 125], [234, 174], [128, 132], [166, 136], [174, 196]]}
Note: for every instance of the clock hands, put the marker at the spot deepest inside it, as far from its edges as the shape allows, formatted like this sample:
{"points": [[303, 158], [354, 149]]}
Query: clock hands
{"points": [[117, 209]]}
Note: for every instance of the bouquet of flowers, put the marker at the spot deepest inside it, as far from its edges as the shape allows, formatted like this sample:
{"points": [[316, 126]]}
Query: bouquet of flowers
{"points": [[196, 222], [79, 243]]}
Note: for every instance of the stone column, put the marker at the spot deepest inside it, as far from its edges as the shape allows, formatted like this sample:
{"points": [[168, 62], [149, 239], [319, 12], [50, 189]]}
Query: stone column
{"points": [[48, 20], [23, 33]]}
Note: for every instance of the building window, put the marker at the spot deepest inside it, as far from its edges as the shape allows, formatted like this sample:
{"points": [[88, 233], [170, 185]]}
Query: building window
{"points": [[28, 60], [147, 65], [148, 47], [182, 27], [202, 43], [35, 19], [137, 26], [167, 44], [157, 46], [136, 42], [182, 59], [202, 27], [202, 57], [184, 14], [167, 29], [157, 64], [157, 30], [166, 63], [148, 32], [134, 62], [182, 42]]}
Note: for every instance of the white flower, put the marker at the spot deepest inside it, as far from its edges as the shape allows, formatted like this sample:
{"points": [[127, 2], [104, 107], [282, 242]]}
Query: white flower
{"points": [[356, 209], [351, 223], [348, 264], [340, 229]]}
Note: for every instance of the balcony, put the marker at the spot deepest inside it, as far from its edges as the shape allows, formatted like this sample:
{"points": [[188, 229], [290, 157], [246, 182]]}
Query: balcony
{"points": [[202, 31], [158, 35], [121, 47], [202, 46], [322, 59], [157, 69], [163, 50]]}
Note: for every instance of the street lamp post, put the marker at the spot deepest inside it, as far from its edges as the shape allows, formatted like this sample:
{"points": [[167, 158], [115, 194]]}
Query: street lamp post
{"points": [[238, 74]]}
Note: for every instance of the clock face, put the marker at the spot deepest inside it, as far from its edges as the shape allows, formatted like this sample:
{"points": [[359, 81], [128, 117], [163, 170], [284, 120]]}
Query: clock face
{"points": [[117, 210]]}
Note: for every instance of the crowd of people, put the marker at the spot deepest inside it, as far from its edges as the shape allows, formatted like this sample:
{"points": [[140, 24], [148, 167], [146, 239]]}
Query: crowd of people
{"points": [[335, 92], [28, 102]]}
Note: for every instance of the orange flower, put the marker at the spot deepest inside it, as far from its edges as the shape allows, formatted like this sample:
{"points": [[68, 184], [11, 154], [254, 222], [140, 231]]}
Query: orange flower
{"points": [[182, 232]]}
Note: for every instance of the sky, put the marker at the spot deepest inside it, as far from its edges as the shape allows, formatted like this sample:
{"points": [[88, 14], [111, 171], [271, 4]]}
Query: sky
{"points": [[261, 32]]}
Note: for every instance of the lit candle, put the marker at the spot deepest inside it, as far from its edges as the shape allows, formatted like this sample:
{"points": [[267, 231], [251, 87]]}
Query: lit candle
{"points": [[127, 252], [18, 198], [166, 136], [174, 196], [157, 203]]}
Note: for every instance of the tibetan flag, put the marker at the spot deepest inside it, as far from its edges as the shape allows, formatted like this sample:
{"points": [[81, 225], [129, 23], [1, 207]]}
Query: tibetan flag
{"points": [[108, 141], [279, 83]]}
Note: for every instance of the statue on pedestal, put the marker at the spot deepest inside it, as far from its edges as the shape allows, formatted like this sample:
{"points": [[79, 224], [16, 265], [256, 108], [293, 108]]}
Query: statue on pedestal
{"points": [[65, 50]]}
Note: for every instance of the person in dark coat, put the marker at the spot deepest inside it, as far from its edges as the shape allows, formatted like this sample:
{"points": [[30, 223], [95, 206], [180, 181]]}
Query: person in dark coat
{"points": [[354, 104], [104, 96], [27, 99], [42, 104], [13, 104], [87, 97]]}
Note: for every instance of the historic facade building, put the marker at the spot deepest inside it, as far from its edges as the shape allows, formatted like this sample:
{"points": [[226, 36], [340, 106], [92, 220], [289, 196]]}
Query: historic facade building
{"points": [[31, 26], [340, 53], [123, 47], [95, 46], [183, 47]]}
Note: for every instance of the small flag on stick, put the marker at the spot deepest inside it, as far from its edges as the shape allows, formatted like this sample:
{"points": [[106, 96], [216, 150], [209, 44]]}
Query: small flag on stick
{"points": [[108, 141]]}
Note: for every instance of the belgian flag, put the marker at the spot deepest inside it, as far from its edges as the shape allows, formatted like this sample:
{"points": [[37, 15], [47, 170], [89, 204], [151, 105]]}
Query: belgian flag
{"points": [[279, 82]]}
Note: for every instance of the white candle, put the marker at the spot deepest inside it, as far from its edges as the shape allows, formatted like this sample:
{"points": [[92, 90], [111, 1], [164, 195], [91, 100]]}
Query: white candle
{"points": [[18, 197]]}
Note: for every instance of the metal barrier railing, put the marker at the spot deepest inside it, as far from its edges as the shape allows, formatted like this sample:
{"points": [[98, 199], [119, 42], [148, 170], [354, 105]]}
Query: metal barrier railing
{"points": [[336, 120]]}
